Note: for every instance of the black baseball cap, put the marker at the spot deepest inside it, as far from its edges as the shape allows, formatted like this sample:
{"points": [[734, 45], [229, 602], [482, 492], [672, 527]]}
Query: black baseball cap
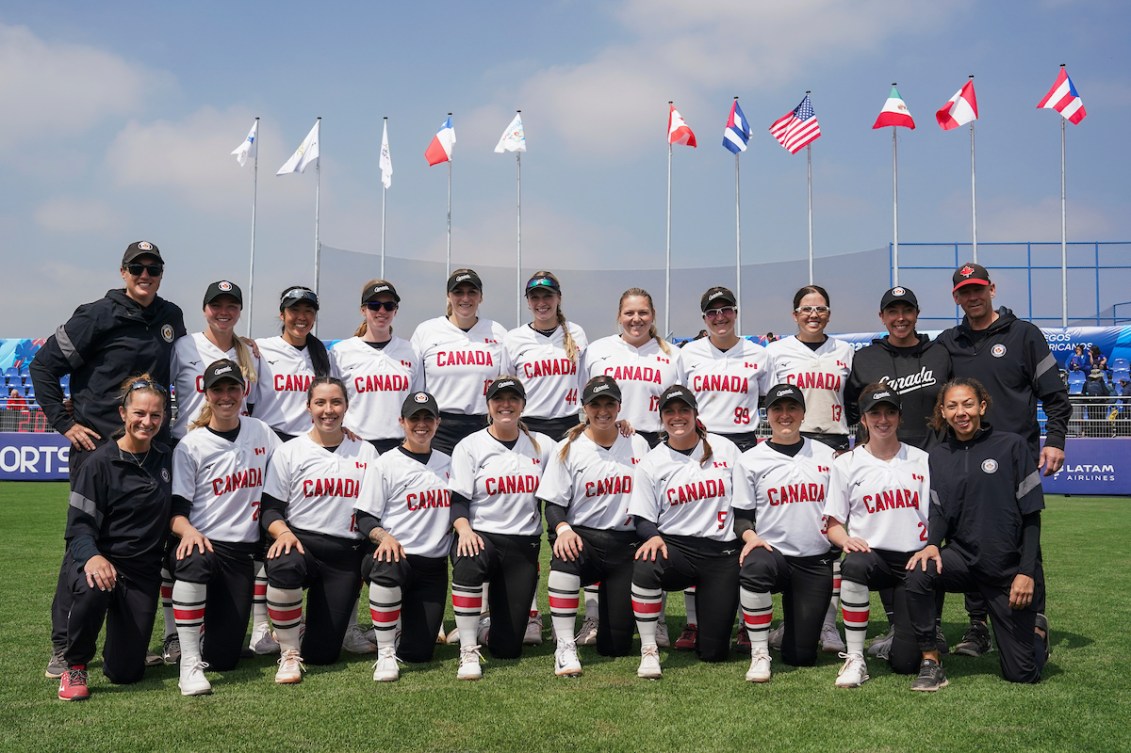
{"points": [[461, 276], [601, 385], [970, 274], [899, 294], [716, 297], [678, 392], [417, 402], [371, 291], [219, 371], [781, 392], [223, 287], [138, 249], [869, 400], [506, 383], [296, 295], [543, 282]]}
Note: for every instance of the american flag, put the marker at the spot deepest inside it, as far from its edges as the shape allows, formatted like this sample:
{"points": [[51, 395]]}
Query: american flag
{"points": [[797, 129]]}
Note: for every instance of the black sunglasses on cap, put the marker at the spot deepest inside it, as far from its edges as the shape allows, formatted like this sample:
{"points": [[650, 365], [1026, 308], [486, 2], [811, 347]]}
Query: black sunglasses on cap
{"points": [[143, 384], [136, 268], [378, 305]]}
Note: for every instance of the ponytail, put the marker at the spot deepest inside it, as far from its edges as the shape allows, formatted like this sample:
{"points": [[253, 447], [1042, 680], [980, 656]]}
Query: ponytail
{"points": [[526, 430], [203, 419], [570, 344], [361, 329], [319, 357], [701, 430], [244, 359], [570, 436]]}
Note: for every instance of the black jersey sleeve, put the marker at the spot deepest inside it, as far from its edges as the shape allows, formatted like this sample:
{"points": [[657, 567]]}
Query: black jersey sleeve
{"points": [[555, 514], [181, 506], [64, 351], [461, 508], [271, 509], [366, 522], [743, 521], [645, 529]]}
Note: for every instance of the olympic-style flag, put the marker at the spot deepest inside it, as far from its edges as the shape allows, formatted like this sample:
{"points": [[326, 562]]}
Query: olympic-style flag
{"points": [[386, 161], [306, 154], [247, 150], [513, 138]]}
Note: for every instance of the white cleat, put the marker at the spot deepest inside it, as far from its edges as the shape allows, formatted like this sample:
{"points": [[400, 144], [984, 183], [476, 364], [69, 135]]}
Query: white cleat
{"points": [[355, 641], [587, 636], [193, 681], [854, 673], [290, 668], [662, 639], [452, 638], [759, 666], [470, 664], [650, 663], [262, 642], [566, 663], [533, 636], [831, 642], [385, 669]]}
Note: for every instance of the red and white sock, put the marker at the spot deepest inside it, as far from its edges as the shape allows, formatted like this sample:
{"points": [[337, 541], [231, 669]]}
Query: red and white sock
{"points": [[834, 602], [284, 608], [757, 614], [188, 601], [385, 611], [647, 606], [467, 604], [854, 609], [563, 589], [259, 594]]}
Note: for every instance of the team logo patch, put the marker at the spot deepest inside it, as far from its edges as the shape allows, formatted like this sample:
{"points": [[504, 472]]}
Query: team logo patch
{"points": [[167, 332], [966, 271], [997, 351], [601, 388], [898, 291], [165, 475], [420, 397], [145, 245], [989, 466], [225, 286], [380, 289]]}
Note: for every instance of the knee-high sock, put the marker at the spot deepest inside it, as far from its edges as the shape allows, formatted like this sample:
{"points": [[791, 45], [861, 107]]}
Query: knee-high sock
{"points": [[757, 613], [830, 615], [188, 611], [259, 594], [467, 604], [385, 611], [563, 588], [170, 619], [689, 606], [854, 609], [284, 608], [592, 600], [647, 609]]}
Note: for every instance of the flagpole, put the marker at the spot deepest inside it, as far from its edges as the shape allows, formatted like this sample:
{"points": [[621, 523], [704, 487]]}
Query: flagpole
{"points": [[317, 204], [809, 162], [894, 206], [973, 192], [737, 247], [448, 262], [518, 263], [668, 245], [385, 127], [254, 197], [1063, 233]]}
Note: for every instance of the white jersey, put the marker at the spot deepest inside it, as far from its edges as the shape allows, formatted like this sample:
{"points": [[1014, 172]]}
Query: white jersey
{"points": [[592, 483], [377, 382], [642, 374], [412, 501], [285, 374], [727, 385], [684, 498], [502, 484], [789, 496], [459, 365], [224, 479], [820, 375], [546, 373], [191, 356], [320, 487], [883, 502]]}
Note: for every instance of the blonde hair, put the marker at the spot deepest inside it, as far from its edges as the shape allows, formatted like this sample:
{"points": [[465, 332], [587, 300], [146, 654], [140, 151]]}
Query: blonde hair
{"points": [[460, 271], [570, 436], [642, 293], [571, 349], [364, 326], [521, 424]]}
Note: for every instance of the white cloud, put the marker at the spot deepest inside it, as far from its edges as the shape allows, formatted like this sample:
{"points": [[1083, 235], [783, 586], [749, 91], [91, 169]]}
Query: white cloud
{"points": [[1007, 219], [69, 215]]}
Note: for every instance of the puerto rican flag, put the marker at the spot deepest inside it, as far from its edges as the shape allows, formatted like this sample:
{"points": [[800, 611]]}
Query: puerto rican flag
{"points": [[1063, 98], [737, 133], [678, 131], [960, 109], [440, 150]]}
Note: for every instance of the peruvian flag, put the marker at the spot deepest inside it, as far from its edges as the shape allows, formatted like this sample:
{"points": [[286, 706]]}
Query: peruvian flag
{"points": [[895, 112], [440, 150], [959, 109], [678, 131]]}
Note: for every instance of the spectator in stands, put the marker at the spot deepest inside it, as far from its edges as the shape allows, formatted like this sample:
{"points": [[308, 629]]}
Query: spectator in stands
{"points": [[16, 401], [1096, 359], [1079, 359], [1095, 408]]}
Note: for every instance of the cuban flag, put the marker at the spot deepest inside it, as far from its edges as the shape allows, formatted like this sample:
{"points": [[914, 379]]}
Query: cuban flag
{"points": [[440, 150], [1063, 98], [737, 133]]}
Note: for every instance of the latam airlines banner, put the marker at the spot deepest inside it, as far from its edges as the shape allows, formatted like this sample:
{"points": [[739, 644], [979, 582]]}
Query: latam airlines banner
{"points": [[1093, 466]]}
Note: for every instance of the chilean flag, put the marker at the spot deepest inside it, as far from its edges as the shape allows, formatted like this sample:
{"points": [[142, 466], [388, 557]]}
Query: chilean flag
{"points": [[959, 109], [440, 150], [1063, 98], [678, 131]]}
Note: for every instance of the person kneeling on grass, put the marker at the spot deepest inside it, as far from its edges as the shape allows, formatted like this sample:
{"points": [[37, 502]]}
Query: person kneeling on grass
{"points": [[984, 535]]}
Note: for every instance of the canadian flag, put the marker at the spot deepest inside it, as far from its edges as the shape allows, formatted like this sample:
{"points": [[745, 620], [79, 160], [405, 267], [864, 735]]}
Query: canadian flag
{"points": [[678, 131], [959, 109]]}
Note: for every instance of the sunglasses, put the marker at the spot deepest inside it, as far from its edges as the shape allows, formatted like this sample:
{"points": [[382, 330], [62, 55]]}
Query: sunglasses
{"points": [[136, 268], [378, 305], [811, 310], [720, 312], [143, 384]]}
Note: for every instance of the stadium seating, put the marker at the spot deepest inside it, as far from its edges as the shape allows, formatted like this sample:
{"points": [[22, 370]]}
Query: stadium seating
{"points": [[1076, 381]]}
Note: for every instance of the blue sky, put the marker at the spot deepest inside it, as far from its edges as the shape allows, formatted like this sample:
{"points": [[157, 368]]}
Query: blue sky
{"points": [[120, 117]]}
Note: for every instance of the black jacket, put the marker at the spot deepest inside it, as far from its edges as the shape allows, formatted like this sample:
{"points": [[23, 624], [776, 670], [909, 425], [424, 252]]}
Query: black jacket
{"points": [[1012, 359], [916, 373], [100, 345]]}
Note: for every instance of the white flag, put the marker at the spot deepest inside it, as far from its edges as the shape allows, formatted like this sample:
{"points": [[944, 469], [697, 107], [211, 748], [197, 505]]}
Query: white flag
{"points": [[246, 150], [386, 159], [306, 154], [513, 139]]}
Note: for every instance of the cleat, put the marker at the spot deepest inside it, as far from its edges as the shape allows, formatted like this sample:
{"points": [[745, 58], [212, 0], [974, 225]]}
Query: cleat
{"points": [[662, 639], [831, 642], [854, 673], [975, 641], [881, 645], [193, 681], [742, 638], [262, 642], [290, 668], [587, 636], [931, 677], [441, 637], [533, 636], [566, 663], [776, 636], [484, 629], [57, 666], [72, 685], [940, 641], [687, 637], [153, 658], [1042, 624], [355, 641], [759, 667], [470, 661], [385, 669], [452, 638], [649, 663], [171, 649]]}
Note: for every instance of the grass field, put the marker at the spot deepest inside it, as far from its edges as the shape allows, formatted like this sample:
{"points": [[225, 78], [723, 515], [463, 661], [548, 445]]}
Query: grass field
{"points": [[1083, 704]]}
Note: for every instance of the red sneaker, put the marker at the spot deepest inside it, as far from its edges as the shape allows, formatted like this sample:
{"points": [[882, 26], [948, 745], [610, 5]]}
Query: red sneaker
{"points": [[687, 638], [742, 638], [72, 685]]}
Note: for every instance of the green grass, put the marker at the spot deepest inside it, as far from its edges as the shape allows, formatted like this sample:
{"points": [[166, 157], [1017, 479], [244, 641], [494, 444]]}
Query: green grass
{"points": [[1083, 704]]}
